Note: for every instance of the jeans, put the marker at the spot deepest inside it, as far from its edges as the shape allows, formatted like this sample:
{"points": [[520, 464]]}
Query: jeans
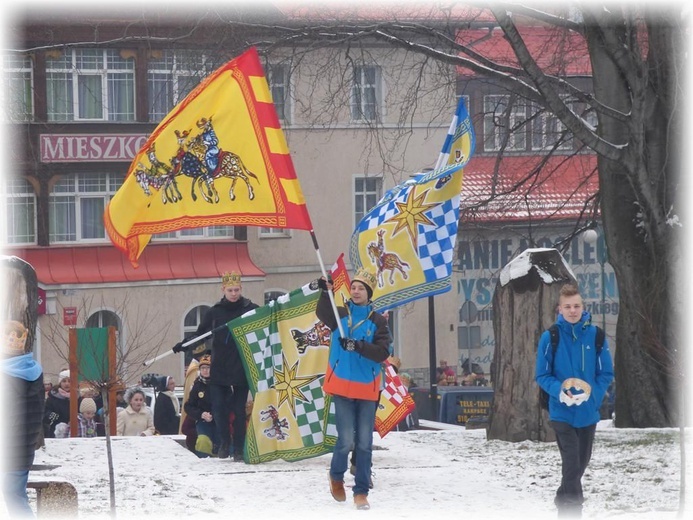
{"points": [[575, 446], [208, 430], [355, 419], [14, 489]]}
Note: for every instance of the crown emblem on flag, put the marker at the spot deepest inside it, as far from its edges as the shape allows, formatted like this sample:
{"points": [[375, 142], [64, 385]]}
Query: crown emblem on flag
{"points": [[231, 279]]}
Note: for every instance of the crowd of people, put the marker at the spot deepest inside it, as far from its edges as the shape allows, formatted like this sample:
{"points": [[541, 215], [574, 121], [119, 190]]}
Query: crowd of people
{"points": [[573, 368]]}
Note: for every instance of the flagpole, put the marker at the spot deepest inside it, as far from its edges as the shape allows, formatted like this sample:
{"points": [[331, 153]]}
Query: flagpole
{"points": [[187, 342], [329, 293]]}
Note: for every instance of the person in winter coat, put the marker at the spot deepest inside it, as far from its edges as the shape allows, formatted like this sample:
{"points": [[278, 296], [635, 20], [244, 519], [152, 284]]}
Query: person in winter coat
{"points": [[57, 405], [136, 419], [199, 408], [576, 386], [23, 403], [187, 424], [228, 385], [167, 409], [86, 425], [354, 379]]}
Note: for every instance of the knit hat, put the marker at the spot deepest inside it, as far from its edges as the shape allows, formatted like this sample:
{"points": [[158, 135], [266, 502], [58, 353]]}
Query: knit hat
{"points": [[205, 360], [15, 338], [367, 279], [64, 374], [87, 405]]}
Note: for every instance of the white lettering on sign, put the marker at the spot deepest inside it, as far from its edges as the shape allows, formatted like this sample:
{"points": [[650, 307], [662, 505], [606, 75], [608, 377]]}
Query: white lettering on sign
{"points": [[90, 147]]}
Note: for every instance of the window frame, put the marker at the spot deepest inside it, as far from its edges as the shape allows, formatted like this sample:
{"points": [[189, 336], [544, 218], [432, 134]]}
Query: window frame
{"points": [[285, 113], [73, 197], [106, 68], [18, 196], [357, 105], [495, 130], [540, 119], [13, 73], [366, 198]]}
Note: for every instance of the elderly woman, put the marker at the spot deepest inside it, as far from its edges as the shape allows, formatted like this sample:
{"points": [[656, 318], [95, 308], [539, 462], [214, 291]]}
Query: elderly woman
{"points": [[136, 419]]}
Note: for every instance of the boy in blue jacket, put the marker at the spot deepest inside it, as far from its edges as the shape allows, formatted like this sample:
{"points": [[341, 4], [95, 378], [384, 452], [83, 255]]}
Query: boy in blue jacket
{"points": [[576, 378]]}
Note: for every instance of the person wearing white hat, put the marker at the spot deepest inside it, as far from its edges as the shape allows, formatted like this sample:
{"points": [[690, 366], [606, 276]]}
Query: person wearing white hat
{"points": [[22, 380], [57, 405], [86, 425]]}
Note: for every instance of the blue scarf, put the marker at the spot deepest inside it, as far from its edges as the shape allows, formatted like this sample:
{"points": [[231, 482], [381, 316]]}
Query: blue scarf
{"points": [[24, 367]]}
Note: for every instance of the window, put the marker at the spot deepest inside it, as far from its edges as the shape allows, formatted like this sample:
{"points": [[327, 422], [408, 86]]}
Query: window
{"points": [[548, 132], [278, 78], [268, 232], [273, 295], [16, 94], [504, 121], [76, 206], [203, 232], [171, 76], [91, 85], [365, 93], [191, 321], [21, 211], [367, 193]]}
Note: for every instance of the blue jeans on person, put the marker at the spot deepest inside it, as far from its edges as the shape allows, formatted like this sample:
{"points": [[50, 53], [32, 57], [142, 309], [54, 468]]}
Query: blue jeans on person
{"points": [[16, 498], [355, 419]]}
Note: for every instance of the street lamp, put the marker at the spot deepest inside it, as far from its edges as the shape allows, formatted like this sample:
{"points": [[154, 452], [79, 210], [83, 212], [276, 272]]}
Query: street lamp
{"points": [[591, 237]]}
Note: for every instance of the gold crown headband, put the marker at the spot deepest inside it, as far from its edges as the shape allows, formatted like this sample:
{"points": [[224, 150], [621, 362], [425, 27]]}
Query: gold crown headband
{"points": [[366, 277], [231, 279], [16, 336]]}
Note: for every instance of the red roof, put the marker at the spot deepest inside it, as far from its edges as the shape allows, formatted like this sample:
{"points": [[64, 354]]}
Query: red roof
{"points": [[526, 190], [556, 50], [95, 264]]}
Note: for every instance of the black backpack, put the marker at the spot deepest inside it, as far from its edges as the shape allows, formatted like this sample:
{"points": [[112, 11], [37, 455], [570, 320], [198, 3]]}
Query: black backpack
{"points": [[553, 331]]}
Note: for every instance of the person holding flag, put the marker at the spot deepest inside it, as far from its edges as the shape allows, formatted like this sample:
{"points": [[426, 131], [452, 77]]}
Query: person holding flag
{"points": [[353, 379], [228, 386]]}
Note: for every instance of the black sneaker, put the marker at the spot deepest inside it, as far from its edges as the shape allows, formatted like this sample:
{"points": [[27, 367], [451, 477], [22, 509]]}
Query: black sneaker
{"points": [[223, 451], [238, 457]]}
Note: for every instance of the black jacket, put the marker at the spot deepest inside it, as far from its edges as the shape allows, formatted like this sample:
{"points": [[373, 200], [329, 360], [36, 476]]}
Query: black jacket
{"points": [[199, 400], [25, 402], [166, 421], [57, 411], [227, 368]]}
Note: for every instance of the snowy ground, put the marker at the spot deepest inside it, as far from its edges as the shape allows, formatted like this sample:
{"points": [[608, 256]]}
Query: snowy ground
{"points": [[418, 474]]}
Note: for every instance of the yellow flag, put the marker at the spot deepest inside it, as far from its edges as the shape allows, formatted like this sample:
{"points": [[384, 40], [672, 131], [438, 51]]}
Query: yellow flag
{"points": [[218, 159]]}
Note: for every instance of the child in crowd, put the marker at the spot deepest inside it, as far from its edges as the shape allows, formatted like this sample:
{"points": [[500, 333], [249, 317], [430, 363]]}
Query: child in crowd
{"points": [[85, 418]]}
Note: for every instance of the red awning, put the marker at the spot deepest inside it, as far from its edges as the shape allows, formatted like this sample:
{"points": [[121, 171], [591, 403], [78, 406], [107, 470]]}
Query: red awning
{"points": [[95, 264]]}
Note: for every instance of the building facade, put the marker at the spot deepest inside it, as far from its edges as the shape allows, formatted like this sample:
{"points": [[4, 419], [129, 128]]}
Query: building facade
{"points": [[78, 113]]}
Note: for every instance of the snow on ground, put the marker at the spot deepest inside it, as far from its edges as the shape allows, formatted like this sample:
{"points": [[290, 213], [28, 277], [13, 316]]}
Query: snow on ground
{"points": [[633, 474]]}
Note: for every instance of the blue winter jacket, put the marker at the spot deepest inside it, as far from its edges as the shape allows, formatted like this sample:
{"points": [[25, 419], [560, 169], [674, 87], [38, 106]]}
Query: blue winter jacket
{"points": [[576, 356]]}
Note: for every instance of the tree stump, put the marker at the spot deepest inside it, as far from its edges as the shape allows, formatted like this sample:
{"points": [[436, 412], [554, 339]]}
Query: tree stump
{"points": [[524, 305]]}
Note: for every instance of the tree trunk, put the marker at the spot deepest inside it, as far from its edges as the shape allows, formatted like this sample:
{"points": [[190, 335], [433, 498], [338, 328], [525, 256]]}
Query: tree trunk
{"points": [[637, 195], [522, 309], [20, 298]]}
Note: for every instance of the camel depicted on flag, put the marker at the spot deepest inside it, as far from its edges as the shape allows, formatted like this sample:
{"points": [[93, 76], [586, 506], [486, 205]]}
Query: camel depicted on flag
{"points": [[408, 238], [219, 158]]}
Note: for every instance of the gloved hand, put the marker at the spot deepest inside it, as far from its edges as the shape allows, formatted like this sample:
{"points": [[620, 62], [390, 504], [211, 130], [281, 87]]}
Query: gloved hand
{"points": [[580, 398], [322, 283], [351, 345], [178, 347], [566, 399]]}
